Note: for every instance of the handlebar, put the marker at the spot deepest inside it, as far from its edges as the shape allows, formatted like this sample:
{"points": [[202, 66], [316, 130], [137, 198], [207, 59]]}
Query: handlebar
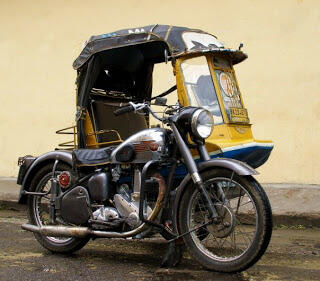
{"points": [[123, 110], [136, 107]]}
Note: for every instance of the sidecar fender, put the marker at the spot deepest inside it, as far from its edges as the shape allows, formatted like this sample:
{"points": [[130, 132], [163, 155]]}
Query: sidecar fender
{"points": [[238, 167], [63, 156]]}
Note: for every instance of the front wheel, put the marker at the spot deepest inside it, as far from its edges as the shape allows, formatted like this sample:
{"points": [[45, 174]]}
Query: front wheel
{"points": [[244, 226]]}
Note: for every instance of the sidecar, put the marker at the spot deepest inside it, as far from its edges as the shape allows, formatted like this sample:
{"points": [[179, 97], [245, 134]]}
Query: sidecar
{"points": [[116, 68]]}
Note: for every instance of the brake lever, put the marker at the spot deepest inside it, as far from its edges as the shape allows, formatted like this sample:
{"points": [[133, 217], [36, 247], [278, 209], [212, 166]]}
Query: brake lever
{"points": [[137, 106], [171, 111]]}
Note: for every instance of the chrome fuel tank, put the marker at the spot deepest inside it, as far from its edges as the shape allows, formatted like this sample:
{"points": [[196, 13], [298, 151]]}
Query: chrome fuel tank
{"points": [[149, 144]]}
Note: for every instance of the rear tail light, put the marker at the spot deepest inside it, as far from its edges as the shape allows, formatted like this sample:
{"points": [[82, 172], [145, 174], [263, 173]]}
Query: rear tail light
{"points": [[64, 179]]}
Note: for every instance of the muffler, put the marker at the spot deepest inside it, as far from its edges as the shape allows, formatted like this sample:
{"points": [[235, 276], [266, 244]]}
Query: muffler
{"points": [[58, 231], [81, 232]]}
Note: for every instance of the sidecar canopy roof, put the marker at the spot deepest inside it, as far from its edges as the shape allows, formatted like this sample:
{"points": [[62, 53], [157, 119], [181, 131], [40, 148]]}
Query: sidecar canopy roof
{"points": [[177, 40]]}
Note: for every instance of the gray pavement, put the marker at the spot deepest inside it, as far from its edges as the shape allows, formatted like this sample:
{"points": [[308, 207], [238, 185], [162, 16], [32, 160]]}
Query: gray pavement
{"points": [[292, 204], [293, 254]]}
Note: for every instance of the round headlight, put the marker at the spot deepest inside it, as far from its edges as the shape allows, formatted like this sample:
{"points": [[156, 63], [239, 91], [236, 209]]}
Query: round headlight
{"points": [[202, 123]]}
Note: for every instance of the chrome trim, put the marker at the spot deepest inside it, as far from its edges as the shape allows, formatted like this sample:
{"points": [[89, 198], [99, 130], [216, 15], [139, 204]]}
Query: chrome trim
{"points": [[158, 135], [194, 121], [65, 231], [137, 181], [196, 177], [58, 231]]}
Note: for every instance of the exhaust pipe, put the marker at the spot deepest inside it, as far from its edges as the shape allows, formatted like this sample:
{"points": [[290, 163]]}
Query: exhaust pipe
{"points": [[58, 231], [81, 232]]}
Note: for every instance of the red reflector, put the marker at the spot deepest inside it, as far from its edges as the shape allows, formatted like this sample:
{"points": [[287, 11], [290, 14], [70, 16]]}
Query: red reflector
{"points": [[64, 179]]}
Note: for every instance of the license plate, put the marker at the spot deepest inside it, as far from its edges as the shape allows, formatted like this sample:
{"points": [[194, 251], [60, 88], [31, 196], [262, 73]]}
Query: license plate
{"points": [[239, 115]]}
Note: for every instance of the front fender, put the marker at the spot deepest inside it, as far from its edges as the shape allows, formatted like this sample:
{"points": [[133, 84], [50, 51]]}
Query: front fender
{"points": [[238, 167], [62, 155]]}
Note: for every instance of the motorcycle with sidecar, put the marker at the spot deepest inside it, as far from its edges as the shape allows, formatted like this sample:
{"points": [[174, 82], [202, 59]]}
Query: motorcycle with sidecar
{"points": [[189, 177]]}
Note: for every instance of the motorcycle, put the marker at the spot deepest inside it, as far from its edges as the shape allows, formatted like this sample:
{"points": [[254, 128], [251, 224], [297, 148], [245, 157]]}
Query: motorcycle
{"points": [[150, 183]]}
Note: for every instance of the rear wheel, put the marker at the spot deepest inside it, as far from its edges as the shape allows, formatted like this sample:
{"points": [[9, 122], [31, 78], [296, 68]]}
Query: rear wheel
{"points": [[244, 229], [38, 212]]}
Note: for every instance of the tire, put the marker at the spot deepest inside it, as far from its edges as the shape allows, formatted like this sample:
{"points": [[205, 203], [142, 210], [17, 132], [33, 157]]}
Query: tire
{"points": [[38, 213], [244, 231]]}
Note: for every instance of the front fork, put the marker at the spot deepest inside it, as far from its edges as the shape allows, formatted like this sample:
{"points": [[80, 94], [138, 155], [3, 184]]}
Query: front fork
{"points": [[193, 170]]}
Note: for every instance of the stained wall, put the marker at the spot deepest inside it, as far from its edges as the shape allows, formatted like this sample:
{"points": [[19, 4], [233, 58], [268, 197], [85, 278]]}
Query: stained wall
{"points": [[280, 81]]}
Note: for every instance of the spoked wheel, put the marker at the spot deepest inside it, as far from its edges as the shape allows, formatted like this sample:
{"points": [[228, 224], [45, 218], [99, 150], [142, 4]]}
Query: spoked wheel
{"points": [[244, 227], [38, 211]]}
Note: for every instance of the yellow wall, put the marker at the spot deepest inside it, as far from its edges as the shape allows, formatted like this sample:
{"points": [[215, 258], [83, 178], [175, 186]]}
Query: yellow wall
{"points": [[280, 81]]}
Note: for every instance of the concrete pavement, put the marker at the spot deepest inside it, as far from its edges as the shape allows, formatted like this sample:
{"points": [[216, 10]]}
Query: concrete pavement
{"points": [[292, 204], [293, 254]]}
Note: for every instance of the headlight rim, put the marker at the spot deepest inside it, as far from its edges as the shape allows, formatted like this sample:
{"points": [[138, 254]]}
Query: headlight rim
{"points": [[194, 122]]}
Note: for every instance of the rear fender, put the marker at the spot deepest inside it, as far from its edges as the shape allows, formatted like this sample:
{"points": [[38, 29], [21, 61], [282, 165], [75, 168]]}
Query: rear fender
{"points": [[63, 156], [240, 168]]}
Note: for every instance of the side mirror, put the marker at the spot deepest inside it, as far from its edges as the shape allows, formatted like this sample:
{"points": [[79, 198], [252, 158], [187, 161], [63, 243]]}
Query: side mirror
{"points": [[160, 101]]}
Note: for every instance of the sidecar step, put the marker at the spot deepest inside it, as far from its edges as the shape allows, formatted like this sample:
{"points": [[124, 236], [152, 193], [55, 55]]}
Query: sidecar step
{"points": [[58, 231]]}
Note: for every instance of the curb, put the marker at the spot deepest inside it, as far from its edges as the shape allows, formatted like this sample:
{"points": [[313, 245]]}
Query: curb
{"points": [[297, 221]]}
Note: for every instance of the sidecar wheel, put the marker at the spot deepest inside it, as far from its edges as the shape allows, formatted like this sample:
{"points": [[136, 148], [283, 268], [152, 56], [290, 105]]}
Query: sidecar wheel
{"points": [[245, 222], [38, 213]]}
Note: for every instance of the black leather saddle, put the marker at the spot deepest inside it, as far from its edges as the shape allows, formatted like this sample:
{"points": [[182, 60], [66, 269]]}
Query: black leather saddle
{"points": [[92, 157]]}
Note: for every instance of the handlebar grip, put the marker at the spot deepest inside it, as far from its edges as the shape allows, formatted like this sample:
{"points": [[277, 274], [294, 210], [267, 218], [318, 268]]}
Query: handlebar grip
{"points": [[123, 110]]}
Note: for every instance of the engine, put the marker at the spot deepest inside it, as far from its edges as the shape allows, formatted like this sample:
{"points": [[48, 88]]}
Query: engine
{"points": [[127, 201], [110, 199]]}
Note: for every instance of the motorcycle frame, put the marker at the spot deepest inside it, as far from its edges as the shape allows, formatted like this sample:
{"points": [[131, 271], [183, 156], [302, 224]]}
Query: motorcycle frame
{"points": [[194, 174]]}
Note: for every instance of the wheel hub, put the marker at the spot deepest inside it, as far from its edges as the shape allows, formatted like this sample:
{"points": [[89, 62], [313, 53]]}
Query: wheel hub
{"points": [[225, 224]]}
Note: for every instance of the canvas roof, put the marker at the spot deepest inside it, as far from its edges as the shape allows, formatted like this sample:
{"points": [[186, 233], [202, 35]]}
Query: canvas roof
{"points": [[178, 40]]}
